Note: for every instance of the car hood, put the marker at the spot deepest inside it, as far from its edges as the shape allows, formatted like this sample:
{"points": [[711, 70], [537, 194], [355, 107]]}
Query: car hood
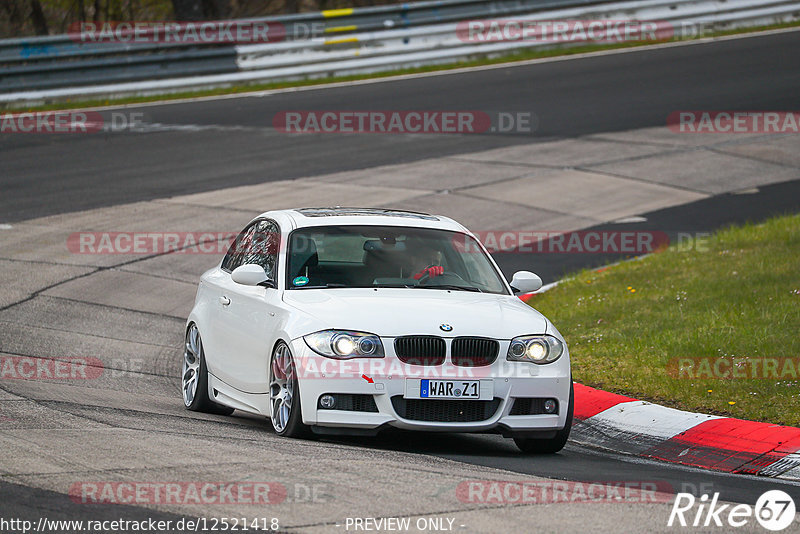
{"points": [[390, 312]]}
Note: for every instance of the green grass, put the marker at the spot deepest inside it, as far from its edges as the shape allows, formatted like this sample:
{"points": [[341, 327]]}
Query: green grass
{"points": [[522, 55], [739, 298]]}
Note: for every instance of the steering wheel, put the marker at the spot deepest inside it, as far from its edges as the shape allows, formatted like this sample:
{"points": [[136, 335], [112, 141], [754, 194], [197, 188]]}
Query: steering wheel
{"points": [[426, 277]]}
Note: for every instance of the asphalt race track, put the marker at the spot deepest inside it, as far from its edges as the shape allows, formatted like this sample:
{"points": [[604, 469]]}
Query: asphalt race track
{"points": [[233, 142], [703, 216], [130, 425]]}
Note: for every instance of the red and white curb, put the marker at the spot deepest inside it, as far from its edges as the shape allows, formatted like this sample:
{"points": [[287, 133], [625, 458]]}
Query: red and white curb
{"points": [[648, 430]]}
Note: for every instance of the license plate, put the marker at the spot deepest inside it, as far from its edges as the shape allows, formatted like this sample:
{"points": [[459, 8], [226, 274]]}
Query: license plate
{"points": [[449, 389]]}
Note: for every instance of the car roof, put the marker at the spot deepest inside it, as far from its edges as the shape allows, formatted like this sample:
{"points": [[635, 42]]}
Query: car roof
{"points": [[341, 216]]}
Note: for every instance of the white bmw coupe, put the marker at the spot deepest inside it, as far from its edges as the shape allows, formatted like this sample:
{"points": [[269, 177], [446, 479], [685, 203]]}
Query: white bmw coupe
{"points": [[348, 320]]}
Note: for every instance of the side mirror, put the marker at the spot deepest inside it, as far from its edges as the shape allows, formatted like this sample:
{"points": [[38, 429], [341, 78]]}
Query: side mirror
{"points": [[525, 282], [251, 275]]}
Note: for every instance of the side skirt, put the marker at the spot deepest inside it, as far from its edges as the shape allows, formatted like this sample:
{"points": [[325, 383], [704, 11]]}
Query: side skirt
{"points": [[255, 403]]}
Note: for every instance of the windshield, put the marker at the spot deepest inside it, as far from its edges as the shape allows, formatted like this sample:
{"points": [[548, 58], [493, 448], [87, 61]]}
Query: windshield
{"points": [[389, 256]]}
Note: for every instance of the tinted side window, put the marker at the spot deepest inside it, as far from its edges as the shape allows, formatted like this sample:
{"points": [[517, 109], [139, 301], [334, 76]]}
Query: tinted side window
{"points": [[262, 247], [233, 258]]}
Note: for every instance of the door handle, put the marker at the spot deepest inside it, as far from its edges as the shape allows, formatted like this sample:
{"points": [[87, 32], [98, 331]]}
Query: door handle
{"points": [[224, 300]]}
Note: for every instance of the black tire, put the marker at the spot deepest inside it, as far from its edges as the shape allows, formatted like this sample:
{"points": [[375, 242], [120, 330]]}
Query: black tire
{"points": [[283, 378], [554, 444], [194, 377]]}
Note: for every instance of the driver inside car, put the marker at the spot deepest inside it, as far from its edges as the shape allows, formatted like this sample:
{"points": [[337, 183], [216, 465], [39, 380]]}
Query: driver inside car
{"points": [[428, 261]]}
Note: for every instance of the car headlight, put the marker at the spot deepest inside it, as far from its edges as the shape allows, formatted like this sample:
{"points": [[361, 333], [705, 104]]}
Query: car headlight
{"points": [[535, 349], [343, 344]]}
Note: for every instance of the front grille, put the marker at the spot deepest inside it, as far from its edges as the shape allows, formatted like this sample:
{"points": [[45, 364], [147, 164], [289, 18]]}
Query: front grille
{"points": [[474, 351], [445, 411], [529, 406], [352, 402], [420, 350]]}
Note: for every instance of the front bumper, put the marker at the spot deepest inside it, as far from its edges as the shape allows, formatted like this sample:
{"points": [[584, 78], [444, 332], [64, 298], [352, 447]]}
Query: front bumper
{"points": [[385, 379]]}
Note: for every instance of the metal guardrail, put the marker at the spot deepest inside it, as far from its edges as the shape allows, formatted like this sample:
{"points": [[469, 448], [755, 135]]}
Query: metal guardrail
{"points": [[346, 41], [439, 39], [68, 60]]}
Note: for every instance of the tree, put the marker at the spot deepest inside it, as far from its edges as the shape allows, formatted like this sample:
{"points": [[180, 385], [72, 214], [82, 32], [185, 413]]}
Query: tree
{"points": [[37, 18], [187, 10]]}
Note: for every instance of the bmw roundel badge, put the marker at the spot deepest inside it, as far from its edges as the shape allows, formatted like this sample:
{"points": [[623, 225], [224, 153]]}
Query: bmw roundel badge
{"points": [[445, 327]]}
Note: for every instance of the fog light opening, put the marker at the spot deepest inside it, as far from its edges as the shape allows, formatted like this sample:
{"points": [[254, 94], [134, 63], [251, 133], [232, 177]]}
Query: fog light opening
{"points": [[550, 406], [327, 401]]}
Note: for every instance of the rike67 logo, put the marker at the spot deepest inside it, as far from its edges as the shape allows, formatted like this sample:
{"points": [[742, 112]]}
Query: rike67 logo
{"points": [[774, 510]]}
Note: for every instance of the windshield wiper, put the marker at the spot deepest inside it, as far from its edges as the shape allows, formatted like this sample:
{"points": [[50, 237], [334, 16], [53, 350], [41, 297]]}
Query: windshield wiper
{"points": [[405, 286], [447, 286], [325, 286]]}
